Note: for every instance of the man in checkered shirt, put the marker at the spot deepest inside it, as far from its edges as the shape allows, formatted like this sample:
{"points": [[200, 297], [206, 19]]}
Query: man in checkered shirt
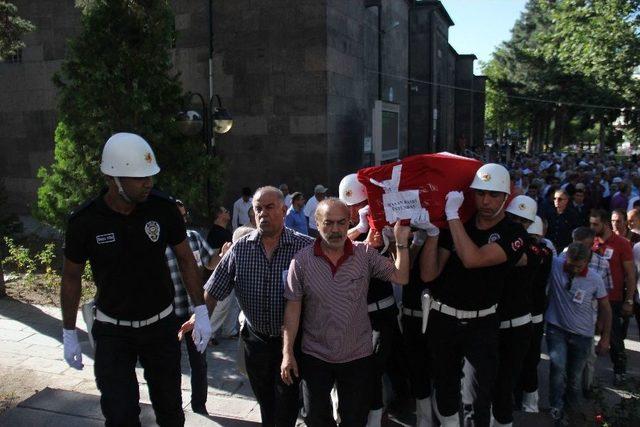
{"points": [[205, 257], [256, 267]]}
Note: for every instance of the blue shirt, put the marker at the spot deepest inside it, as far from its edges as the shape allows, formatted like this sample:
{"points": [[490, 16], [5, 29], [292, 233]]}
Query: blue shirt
{"points": [[296, 220], [572, 309]]}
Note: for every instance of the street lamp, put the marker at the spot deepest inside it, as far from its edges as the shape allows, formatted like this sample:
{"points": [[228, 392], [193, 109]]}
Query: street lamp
{"points": [[212, 120]]}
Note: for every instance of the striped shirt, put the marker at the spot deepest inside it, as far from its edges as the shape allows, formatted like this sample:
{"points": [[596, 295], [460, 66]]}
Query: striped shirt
{"points": [[336, 326], [202, 252], [257, 280]]}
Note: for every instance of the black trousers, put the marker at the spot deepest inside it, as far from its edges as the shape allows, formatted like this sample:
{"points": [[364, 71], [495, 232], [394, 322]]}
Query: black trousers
{"points": [[415, 344], [198, 364], [117, 350], [529, 375], [263, 357], [619, 326], [385, 322], [353, 380], [469, 348], [513, 344]]}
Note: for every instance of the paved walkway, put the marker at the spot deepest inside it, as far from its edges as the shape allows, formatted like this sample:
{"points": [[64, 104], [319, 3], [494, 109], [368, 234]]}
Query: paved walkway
{"points": [[30, 342]]}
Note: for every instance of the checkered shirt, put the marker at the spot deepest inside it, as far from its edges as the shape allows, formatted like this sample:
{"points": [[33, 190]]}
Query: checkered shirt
{"points": [[259, 282], [600, 265], [203, 253]]}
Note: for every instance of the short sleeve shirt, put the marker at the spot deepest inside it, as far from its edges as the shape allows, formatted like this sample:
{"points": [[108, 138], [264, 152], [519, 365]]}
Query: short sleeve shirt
{"points": [[516, 299], [335, 323], [570, 304], [218, 236], [127, 254], [478, 288], [616, 250], [539, 288], [258, 281], [310, 212]]}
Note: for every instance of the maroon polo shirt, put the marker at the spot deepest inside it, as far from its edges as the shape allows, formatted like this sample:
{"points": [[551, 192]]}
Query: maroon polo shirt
{"points": [[335, 325]]}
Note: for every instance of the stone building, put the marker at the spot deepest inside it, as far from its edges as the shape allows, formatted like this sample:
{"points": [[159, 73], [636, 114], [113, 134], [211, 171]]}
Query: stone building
{"points": [[300, 77]]}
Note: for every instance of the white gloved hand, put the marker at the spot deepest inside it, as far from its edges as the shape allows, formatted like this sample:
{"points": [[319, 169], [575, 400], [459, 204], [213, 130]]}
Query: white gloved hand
{"points": [[202, 328], [72, 350], [363, 225], [454, 201], [423, 222], [418, 239]]}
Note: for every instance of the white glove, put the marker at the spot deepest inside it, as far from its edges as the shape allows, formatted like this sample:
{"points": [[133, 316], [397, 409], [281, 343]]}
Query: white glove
{"points": [[454, 201], [423, 222], [419, 237], [363, 225], [72, 350], [202, 328], [387, 238]]}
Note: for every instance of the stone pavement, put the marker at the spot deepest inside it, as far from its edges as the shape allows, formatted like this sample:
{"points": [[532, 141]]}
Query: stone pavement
{"points": [[30, 342]]}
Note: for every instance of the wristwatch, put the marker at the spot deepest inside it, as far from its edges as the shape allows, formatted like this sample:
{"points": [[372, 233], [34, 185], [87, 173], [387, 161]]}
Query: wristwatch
{"points": [[399, 246]]}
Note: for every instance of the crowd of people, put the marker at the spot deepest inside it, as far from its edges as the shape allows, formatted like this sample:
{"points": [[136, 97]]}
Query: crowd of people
{"points": [[454, 317]]}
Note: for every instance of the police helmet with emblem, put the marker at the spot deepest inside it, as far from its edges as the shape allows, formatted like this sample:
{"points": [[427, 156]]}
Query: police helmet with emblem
{"points": [[523, 207], [351, 191], [536, 228], [492, 177], [128, 155]]}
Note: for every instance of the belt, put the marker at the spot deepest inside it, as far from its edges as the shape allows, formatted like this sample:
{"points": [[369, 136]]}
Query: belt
{"points": [[518, 321], [134, 323], [379, 305], [538, 318], [462, 314], [412, 313]]}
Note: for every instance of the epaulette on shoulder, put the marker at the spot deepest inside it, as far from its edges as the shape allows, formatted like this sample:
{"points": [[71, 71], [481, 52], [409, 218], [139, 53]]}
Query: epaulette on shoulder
{"points": [[81, 208], [162, 195]]}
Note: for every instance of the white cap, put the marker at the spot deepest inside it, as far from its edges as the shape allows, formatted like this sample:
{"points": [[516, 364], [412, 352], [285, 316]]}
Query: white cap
{"points": [[492, 177], [524, 207], [536, 227], [351, 191], [128, 155], [320, 189]]}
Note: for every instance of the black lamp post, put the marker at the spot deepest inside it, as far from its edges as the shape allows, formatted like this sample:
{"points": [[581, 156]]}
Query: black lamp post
{"points": [[212, 120]]}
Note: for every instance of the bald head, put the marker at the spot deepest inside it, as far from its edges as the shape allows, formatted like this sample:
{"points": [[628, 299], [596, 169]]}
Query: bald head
{"points": [[332, 217]]}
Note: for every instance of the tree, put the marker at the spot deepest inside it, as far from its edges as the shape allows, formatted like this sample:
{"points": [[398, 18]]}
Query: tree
{"points": [[12, 27], [117, 77]]}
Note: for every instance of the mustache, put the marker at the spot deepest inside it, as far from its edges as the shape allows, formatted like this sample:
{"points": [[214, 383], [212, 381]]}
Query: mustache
{"points": [[335, 235]]}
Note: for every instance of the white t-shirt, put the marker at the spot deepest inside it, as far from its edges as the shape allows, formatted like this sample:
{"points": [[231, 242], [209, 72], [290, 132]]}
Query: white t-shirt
{"points": [[240, 213], [287, 200], [310, 212]]}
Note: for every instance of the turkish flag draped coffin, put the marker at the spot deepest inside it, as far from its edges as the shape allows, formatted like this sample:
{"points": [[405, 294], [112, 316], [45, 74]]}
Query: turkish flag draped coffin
{"points": [[398, 191]]}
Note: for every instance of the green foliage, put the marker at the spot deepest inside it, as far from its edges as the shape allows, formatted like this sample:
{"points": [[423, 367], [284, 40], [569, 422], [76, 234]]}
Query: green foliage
{"points": [[564, 59], [12, 27], [19, 258], [9, 223], [46, 258], [118, 77]]}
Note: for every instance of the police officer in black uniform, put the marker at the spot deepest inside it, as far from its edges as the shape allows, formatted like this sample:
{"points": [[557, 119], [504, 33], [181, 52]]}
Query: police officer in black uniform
{"points": [[415, 341], [526, 392], [123, 233], [514, 312], [470, 262]]}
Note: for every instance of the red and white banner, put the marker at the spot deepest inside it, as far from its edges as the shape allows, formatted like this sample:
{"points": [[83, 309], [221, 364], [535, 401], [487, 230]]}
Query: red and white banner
{"points": [[399, 191]]}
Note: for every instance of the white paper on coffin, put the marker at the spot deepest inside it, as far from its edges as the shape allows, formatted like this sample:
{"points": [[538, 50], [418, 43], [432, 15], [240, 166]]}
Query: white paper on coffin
{"points": [[401, 205]]}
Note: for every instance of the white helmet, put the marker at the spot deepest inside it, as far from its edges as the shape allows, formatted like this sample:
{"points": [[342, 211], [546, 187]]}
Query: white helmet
{"points": [[524, 207], [128, 155], [351, 191], [492, 177], [536, 227]]}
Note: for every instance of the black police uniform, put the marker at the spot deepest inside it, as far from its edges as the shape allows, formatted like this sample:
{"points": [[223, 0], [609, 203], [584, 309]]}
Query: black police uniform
{"points": [[472, 341], [514, 308], [127, 258], [384, 320], [415, 342], [529, 374]]}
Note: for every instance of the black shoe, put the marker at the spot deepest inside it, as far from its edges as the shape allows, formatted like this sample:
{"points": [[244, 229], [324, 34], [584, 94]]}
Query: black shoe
{"points": [[200, 409]]}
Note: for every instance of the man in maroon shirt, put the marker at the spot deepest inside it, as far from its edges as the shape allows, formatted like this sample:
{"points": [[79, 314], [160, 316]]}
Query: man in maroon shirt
{"points": [[332, 277], [617, 250]]}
